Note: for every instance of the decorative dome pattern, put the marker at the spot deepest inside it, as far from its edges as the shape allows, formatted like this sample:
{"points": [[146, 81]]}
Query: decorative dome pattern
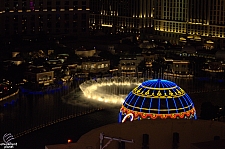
{"points": [[158, 99]]}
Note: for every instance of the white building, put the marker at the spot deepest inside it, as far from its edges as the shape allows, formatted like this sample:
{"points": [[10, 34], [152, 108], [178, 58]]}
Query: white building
{"points": [[39, 76], [178, 68], [128, 65], [82, 52], [94, 65]]}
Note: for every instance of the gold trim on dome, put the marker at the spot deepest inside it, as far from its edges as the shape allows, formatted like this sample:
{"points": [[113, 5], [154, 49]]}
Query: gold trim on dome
{"points": [[162, 95], [152, 88]]}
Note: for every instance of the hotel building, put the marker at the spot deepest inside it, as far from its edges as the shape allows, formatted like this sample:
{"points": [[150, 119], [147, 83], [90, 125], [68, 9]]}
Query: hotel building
{"points": [[127, 16], [197, 20], [170, 16], [174, 20], [29, 17]]}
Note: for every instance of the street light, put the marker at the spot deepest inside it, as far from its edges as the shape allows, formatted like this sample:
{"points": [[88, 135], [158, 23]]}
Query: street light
{"points": [[69, 141]]}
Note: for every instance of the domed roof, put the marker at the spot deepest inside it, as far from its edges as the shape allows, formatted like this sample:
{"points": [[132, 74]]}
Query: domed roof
{"points": [[158, 99]]}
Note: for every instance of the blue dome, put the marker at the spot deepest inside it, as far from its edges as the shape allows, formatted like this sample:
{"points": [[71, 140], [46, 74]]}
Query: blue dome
{"points": [[158, 83], [158, 99]]}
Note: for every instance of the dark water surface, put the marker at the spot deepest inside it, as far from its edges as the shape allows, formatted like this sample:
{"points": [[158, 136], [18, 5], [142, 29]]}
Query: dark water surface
{"points": [[71, 129], [37, 120]]}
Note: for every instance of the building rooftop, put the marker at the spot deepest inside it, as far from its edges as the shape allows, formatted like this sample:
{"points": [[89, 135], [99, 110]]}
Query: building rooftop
{"points": [[160, 134], [216, 144], [37, 69]]}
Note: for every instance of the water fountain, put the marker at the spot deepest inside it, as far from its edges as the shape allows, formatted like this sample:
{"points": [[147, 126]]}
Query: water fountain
{"points": [[109, 90]]}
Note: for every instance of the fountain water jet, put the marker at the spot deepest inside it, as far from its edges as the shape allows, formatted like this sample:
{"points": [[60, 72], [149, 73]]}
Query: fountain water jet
{"points": [[109, 90]]}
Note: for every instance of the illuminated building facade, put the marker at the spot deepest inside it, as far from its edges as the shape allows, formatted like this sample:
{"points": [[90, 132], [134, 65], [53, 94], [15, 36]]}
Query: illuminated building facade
{"points": [[179, 68], [94, 65], [30, 17], [115, 16], [157, 99], [39, 76], [197, 20], [128, 65], [170, 16]]}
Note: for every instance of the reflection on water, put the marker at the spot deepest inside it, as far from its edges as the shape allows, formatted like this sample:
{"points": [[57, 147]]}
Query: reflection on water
{"points": [[33, 112], [77, 99]]}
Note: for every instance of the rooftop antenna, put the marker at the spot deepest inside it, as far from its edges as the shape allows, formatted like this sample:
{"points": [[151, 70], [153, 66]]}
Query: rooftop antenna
{"points": [[102, 136]]}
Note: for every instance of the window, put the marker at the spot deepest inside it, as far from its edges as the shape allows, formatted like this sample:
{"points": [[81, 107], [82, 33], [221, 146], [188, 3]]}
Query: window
{"points": [[83, 17], [66, 8], [83, 29], [66, 2], [74, 24], [83, 7], [49, 3], [49, 16], [75, 3], [83, 23], [183, 66], [85, 67], [49, 24], [75, 16], [93, 66], [7, 6], [83, 2], [57, 2], [49, 8], [66, 16]]}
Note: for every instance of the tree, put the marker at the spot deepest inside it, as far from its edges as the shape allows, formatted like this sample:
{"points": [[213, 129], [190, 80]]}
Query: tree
{"points": [[208, 111], [39, 61], [16, 73], [158, 64], [73, 58], [114, 59]]}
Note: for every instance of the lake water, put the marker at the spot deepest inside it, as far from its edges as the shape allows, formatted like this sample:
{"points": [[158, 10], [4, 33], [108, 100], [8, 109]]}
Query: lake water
{"points": [[37, 120]]}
